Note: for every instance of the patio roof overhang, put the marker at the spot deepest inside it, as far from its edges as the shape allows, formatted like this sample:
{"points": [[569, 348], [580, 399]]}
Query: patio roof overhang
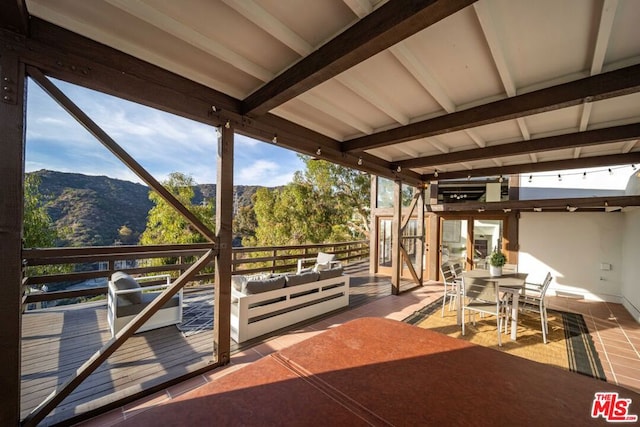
{"points": [[398, 89]]}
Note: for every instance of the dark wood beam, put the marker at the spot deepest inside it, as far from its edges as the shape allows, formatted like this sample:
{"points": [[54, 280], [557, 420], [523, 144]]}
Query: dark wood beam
{"points": [[551, 143], [14, 16], [12, 146], [590, 89], [67, 56], [584, 162], [391, 23], [223, 260], [294, 137], [582, 203]]}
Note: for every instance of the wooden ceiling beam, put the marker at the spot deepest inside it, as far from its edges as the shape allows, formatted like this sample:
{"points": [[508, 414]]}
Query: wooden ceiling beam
{"points": [[391, 23], [582, 203], [585, 162], [14, 16], [550, 143], [590, 89]]}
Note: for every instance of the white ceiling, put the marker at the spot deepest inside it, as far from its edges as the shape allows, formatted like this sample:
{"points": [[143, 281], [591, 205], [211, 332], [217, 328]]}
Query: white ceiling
{"points": [[491, 50]]}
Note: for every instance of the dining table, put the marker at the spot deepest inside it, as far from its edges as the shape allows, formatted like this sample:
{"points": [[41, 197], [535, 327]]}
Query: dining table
{"points": [[512, 283]]}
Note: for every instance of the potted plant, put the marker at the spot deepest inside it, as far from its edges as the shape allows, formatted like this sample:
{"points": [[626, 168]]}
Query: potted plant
{"points": [[496, 261]]}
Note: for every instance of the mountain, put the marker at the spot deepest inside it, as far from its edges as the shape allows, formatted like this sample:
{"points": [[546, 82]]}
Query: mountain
{"points": [[100, 211]]}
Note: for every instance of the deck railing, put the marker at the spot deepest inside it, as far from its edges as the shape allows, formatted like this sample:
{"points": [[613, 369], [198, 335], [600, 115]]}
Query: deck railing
{"points": [[98, 263]]}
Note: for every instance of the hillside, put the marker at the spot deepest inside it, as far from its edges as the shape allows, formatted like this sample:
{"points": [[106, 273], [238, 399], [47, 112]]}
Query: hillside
{"points": [[93, 209]]}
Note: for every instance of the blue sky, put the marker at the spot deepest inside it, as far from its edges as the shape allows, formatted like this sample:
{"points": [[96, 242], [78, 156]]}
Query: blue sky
{"points": [[162, 143]]}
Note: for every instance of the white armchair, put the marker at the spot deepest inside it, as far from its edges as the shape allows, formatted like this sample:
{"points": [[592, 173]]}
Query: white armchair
{"points": [[324, 261], [126, 298]]}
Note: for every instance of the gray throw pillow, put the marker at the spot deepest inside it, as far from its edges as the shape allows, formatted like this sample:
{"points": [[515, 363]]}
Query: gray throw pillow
{"points": [[264, 285], [302, 278], [331, 273], [123, 281]]}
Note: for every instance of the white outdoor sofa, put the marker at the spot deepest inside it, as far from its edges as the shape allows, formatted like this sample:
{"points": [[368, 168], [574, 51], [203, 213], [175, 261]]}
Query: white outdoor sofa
{"points": [[264, 304], [126, 298]]}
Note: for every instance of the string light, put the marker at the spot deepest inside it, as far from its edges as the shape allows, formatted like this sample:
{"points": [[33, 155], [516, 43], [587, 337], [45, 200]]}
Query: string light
{"points": [[275, 139], [559, 177], [319, 152], [359, 161], [228, 124], [501, 179], [435, 173], [399, 168], [608, 171]]}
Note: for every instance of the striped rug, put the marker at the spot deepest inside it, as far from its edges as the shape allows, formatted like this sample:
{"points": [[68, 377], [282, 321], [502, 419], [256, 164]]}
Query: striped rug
{"points": [[569, 344]]}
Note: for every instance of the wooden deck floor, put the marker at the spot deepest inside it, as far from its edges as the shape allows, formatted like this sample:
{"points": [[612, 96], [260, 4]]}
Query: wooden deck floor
{"points": [[57, 341]]}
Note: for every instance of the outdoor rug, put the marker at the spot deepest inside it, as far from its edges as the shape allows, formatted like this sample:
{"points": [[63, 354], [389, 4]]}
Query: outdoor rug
{"points": [[569, 345], [197, 314]]}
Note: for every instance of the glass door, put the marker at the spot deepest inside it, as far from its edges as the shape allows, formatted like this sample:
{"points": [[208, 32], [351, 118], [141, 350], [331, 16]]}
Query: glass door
{"points": [[384, 246], [411, 241], [453, 241], [487, 236]]}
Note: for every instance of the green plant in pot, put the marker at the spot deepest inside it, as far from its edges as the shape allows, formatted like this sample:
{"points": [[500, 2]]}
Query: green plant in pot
{"points": [[496, 261]]}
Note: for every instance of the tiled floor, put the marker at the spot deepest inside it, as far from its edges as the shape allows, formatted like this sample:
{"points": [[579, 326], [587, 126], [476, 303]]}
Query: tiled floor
{"points": [[615, 334]]}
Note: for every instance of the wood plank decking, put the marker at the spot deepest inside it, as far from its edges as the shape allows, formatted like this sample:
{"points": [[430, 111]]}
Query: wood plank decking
{"points": [[57, 341]]}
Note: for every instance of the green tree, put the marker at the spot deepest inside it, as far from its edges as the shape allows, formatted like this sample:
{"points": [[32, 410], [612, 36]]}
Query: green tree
{"points": [[38, 230], [165, 225], [325, 203]]}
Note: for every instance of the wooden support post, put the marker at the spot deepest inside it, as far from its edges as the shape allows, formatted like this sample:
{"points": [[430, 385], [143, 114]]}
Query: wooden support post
{"points": [[373, 226], [396, 235], [12, 131], [224, 219], [420, 244]]}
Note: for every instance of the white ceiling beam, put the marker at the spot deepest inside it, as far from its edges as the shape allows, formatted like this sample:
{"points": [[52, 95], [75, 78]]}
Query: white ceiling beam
{"points": [[604, 33], [286, 113], [360, 7], [493, 40], [628, 146], [435, 143], [187, 34], [475, 138], [263, 19], [599, 51], [422, 75], [333, 110], [413, 65], [125, 45], [408, 151], [355, 84], [499, 58]]}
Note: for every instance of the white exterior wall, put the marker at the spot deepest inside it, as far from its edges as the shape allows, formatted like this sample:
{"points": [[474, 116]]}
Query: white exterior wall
{"points": [[573, 245], [631, 263]]}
